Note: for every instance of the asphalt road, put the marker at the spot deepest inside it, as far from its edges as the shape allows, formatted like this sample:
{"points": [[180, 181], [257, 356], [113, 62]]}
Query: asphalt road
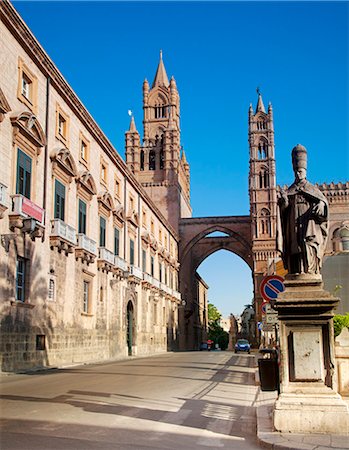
{"points": [[194, 400]]}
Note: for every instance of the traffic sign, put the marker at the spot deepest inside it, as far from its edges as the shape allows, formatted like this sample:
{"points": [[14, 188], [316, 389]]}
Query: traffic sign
{"points": [[264, 307], [271, 318], [271, 286]]}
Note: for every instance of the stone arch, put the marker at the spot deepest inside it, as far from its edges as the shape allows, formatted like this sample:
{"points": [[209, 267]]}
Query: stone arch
{"points": [[62, 158], [195, 246], [106, 200], [86, 182], [28, 125]]}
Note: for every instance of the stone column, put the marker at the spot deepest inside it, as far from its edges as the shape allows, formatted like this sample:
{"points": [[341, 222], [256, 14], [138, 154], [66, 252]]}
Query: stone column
{"points": [[308, 400]]}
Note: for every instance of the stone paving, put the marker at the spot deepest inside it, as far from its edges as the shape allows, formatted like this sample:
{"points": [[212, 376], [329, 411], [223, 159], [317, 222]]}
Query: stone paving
{"points": [[290, 441]]}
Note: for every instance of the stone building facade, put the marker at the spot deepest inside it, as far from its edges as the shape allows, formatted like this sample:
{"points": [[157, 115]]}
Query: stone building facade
{"points": [[89, 264]]}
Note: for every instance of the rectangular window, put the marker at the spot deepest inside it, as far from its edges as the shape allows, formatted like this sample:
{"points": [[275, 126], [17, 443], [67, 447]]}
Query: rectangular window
{"points": [[155, 313], [132, 252], [62, 126], [83, 151], [144, 260], [160, 272], [59, 200], [27, 87], [103, 171], [116, 241], [86, 298], [117, 187], [82, 217], [152, 266], [24, 168], [20, 279], [165, 275], [102, 232]]}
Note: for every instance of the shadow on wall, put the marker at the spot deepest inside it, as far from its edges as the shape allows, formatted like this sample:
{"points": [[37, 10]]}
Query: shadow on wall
{"points": [[26, 326]]}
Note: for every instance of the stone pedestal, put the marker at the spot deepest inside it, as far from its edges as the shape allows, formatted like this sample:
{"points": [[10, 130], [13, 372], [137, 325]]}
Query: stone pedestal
{"points": [[308, 400]]}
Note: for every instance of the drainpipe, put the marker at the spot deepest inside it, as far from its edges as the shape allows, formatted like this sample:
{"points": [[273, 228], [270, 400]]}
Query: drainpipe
{"points": [[48, 83], [139, 233], [125, 224]]}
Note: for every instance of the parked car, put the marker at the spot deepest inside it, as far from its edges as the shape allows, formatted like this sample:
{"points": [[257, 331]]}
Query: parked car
{"points": [[242, 345]]}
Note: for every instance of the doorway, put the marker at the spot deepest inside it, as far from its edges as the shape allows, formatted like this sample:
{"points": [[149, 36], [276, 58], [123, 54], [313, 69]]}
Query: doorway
{"points": [[129, 327]]}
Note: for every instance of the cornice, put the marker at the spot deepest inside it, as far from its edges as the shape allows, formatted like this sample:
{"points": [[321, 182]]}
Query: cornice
{"points": [[26, 39]]}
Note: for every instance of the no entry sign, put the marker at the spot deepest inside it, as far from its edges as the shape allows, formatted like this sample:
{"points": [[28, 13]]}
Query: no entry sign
{"points": [[271, 286]]}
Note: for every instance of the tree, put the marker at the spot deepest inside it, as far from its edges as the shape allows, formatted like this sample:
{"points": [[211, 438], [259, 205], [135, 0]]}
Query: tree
{"points": [[215, 331], [214, 315]]}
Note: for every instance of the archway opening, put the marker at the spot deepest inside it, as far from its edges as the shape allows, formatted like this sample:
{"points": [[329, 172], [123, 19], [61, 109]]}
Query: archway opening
{"points": [[230, 289]]}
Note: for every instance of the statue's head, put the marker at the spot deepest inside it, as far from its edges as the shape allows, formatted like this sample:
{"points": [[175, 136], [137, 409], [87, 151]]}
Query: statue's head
{"points": [[299, 161]]}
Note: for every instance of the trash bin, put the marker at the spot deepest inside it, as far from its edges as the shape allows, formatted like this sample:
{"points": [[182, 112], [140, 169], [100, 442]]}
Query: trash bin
{"points": [[269, 370]]}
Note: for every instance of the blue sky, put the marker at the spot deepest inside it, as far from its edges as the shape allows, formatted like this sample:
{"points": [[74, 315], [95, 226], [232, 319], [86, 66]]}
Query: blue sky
{"points": [[218, 52]]}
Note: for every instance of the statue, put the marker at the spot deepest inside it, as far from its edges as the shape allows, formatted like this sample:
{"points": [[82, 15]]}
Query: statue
{"points": [[304, 219]]}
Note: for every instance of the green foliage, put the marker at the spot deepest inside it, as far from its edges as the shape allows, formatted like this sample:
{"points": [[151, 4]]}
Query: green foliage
{"points": [[340, 322], [215, 331], [218, 335], [213, 314]]}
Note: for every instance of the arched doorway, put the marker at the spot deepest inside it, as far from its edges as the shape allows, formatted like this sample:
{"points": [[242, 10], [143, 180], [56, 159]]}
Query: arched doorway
{"points": [[130, 327]]}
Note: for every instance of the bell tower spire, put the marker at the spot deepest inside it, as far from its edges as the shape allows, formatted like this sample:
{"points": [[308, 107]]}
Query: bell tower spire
{"points": [[163, 172], [262, 191]]}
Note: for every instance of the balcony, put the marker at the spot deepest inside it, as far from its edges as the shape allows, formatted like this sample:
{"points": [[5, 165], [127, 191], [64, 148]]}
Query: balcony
{"points": [[120, 263], [136, 272], [176, 295], [105, 260], [23, 209], [62, 236], [155, 283], [86, 249], [3, 200]]}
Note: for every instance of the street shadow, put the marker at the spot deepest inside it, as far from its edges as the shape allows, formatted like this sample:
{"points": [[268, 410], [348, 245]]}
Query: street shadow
{"points": [[209, 410]]}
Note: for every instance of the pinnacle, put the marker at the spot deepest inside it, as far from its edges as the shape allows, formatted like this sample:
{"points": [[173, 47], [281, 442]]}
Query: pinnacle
{"points": [[161, 75]]}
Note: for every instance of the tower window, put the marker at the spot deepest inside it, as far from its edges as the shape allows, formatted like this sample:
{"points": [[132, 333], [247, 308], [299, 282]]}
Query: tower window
{"points": [[263, 179], [152, 160], [142, 159], [160, 112], [262, 150], [162, 159]]}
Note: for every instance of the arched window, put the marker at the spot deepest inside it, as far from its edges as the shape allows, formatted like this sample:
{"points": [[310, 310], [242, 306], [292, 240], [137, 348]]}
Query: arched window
{"points": [[152, 160], [263, 149], [142, 159], [261, 180], [263, 177], [162, 159], [340, 239], [265, 227], [266, 179]]}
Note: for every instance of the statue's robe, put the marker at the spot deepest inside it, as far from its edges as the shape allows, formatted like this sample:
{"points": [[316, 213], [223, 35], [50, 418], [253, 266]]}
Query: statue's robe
{"points": [[303, 235]]}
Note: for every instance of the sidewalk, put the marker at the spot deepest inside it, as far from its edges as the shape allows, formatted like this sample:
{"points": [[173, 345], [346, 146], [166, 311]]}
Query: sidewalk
{"points": [[268, 438]]}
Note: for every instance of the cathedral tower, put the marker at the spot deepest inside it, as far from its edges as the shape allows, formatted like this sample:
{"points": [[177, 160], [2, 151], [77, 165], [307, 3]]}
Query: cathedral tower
{"points": [[262, 189], [159, 163]]}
